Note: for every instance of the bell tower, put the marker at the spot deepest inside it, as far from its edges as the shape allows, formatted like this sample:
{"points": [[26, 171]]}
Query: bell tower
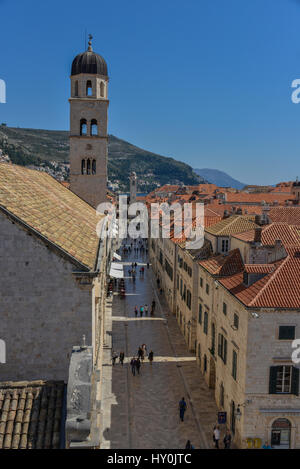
{"points": [[88, 126]]}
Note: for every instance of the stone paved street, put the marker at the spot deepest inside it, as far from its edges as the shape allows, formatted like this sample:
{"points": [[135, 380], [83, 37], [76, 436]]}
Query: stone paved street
{"points": [[142, 411]]}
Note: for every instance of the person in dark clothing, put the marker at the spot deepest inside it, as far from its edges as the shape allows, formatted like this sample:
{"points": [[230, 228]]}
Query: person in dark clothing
{"points": [[189, 445], [140, 352], [121, 357], [114, 357], [227, 440], [153, 306], [133, 365], [182, 409], [150, 357], [138, 365], [148, 265]]}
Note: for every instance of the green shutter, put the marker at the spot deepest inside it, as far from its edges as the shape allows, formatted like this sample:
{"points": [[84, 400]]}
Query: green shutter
{"points": [[295, 381], [273, 379]]}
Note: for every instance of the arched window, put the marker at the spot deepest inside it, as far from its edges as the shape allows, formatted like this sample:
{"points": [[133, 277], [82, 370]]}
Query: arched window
{"points": [[88, 166], [102, 89], [83, 127], [83, 170], [94, 167], [94, 127], [89, 88], [76, 88]]}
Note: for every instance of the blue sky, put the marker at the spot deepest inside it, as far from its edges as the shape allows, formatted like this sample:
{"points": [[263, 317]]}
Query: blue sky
{"points": [[207, 82]]}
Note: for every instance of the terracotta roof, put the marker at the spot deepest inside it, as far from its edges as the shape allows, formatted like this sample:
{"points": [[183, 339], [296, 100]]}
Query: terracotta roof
{"points": [[280, 287], [31, 414], [224, 265], [232, 225], [259, 268], [288, 235], [55, 212], [252, 198], [290, 215]]}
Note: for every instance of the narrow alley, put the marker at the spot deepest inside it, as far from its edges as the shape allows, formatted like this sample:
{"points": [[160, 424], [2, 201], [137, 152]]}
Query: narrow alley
{"points": [[142, 411]]}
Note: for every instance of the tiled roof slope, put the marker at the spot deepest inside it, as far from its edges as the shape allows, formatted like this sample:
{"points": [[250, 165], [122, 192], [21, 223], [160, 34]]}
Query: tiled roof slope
{"points": [[231, 225], [290, 215], [30, 414], [288, 235], [55, 212], [224, 265], [278, 288], [257, 198]]}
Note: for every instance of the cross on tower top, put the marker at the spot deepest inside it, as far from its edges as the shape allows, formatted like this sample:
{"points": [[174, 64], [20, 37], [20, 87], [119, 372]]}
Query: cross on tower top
{"points": [[90, 42]]}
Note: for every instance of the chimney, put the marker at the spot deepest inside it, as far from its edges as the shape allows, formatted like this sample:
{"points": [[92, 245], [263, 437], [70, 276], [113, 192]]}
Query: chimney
{"points": [[257, 235]]}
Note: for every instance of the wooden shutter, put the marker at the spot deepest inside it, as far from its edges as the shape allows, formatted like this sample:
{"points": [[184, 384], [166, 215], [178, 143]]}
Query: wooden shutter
{"points": [[295, 381], [273, 379]]}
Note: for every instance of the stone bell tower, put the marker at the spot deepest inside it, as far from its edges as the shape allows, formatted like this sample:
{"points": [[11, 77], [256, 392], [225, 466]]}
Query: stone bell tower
{"points": [[133, 181], [88, 126]]}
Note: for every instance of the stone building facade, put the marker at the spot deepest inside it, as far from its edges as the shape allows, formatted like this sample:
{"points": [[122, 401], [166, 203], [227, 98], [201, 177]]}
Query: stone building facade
{"points": [[54, 270]]}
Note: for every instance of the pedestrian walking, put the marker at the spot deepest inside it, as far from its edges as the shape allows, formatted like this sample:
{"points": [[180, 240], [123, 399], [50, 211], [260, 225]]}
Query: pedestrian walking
{"points": [[121, 357], [216, 436], [182, 409], [141, 311], [133, 365], [153, 305], [114, 357], [148, 265], [138, 365], [140, 352], [189, 445], [146, 310], [144, 348], [227, 440], [150, 357], [135, 311]]}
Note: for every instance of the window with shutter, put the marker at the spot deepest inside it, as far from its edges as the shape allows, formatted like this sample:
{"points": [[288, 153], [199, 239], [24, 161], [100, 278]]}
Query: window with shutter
{"points": [[273, 379], [295, 381]]}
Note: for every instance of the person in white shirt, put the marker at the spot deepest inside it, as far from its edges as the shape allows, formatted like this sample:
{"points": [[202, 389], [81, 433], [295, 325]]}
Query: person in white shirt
{"points": [[216, 436]]}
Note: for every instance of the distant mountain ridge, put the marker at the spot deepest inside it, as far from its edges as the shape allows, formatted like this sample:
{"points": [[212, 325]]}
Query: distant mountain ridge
{"points": [[219, 178], [46, 148]]}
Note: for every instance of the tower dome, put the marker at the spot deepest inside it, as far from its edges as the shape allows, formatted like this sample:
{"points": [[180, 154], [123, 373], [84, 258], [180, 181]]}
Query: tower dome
{"points": [[89, 62]]}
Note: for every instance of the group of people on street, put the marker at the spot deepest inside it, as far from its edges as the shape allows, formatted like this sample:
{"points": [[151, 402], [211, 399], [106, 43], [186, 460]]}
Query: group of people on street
{"points": [[144, 309], [226, 439], [136, 362]]}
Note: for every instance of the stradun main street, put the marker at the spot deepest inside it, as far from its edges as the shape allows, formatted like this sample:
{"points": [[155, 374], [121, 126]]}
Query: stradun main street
{"points": [[141, 411]]}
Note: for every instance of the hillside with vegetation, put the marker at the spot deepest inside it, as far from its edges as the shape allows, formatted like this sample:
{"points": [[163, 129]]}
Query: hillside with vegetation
{"points": [[49, 150]]}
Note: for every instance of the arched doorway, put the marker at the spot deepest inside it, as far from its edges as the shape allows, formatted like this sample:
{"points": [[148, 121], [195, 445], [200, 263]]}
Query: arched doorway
{"points": [[281, 434]]}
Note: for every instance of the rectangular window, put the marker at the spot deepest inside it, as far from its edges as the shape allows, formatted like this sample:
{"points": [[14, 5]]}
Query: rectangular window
{"points": [[234, 364], [207, 289], [284, 380], [177, 282], [286, 333], [205, 325], [225, 245], [200, 314], [169, 269], [224, 308], [189, 299], [235, 321], [201, 282], [222, 347]]}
